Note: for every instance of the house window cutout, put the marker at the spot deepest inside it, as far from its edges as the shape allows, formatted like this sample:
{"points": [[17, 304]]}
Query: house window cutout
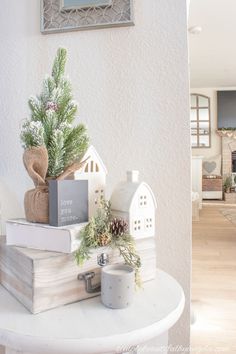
{"points": [[148, 223], [91, 167], [137, 225], [142, 201], [99, 193]]}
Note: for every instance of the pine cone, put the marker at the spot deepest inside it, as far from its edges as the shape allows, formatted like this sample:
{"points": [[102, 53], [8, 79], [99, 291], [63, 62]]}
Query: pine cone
{"points": [[104, 239], [118, 227]]}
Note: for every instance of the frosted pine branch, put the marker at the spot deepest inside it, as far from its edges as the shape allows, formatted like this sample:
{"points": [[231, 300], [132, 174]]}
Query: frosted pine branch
{"points": [[52, 115]]}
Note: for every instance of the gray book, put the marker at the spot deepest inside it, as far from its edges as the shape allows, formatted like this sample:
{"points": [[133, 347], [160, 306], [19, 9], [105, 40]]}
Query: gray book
{"points": [[68, 202]]}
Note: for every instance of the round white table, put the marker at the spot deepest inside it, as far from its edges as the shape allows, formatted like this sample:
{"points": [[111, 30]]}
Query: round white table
{"points": [[87, 327]]}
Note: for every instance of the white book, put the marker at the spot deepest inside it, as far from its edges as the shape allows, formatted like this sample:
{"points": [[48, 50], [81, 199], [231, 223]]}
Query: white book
{"points": [[65, 239]]}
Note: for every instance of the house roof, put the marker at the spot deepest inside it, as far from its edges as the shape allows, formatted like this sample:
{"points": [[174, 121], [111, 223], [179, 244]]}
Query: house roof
{"points": [[124, 194], [92, 152]]}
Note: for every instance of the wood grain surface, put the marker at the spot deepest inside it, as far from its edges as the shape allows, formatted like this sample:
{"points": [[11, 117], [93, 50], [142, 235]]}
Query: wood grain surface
{"points": [[214, 283], [42, 280]]}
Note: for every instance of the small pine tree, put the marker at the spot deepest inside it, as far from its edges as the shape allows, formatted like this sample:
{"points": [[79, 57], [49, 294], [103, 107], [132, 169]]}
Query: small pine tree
{"points": [[52, 115]]}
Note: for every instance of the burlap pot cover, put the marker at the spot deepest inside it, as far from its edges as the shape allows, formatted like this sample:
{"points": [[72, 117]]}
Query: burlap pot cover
{"points": [[36, 200], [36, 205]]}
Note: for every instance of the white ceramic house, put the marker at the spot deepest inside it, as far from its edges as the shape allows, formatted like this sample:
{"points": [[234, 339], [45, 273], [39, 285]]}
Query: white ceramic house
{"points": [[95, 172], [135, 202]]}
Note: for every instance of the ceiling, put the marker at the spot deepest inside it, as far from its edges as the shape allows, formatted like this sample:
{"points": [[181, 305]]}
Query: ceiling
{"points": [[213, 51]]}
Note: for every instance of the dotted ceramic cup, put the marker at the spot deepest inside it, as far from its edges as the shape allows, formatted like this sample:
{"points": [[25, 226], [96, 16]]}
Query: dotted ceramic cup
{"points": [[117, 285]]}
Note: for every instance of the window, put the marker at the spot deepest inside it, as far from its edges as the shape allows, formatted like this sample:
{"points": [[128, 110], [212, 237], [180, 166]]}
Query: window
{"points": [[148, 223], [91, 167], [200, 121], [137, 225], [142, 200], [99, 193]]}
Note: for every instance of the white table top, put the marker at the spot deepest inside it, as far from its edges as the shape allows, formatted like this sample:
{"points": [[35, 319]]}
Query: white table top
{"points": [[89, 327]]}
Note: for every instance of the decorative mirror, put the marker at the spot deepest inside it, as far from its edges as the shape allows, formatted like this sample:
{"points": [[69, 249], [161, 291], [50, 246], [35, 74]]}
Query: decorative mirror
{"points": [[78, 4], [200, 121], [70, 15]]}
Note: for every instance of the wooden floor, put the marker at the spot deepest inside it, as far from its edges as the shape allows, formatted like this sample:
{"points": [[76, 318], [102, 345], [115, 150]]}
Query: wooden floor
{"points": [[214, 283]]}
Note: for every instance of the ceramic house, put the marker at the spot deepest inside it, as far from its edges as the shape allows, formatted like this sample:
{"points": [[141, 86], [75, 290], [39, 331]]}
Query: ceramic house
{"points": [[134, 201], [95, 172]]}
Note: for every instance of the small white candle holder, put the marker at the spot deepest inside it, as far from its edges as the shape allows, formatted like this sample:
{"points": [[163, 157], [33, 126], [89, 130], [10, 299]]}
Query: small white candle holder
{"points": [[117, 285]]}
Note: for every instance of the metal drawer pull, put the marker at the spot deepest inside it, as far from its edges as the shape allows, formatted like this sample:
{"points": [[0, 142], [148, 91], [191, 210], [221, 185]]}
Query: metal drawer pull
{"points": [[102, 260], [87, 277]]}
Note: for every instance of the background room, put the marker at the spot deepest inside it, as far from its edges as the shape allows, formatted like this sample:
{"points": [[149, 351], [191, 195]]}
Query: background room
{"points": [[213, 134]]}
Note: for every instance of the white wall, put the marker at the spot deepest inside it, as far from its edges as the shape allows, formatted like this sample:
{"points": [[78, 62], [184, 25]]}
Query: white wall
{"points": [[132, 86], [215, 148]]}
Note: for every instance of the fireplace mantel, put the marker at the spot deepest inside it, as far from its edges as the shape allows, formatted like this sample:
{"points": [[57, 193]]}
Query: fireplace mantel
{"points": [[228, 146], [226, 133]]}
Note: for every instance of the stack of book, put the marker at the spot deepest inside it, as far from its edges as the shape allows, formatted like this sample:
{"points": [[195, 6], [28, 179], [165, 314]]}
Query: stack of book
{"points": [[37, 264]]}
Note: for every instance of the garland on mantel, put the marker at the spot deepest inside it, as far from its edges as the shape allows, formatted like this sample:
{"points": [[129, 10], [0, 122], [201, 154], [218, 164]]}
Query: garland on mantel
{"points": [[227, 132]]}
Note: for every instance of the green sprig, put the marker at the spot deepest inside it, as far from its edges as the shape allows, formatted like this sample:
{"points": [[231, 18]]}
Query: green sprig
{"points": [[98, 226]]}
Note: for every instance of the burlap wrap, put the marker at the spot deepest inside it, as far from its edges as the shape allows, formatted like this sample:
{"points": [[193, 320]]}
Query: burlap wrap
{"points": [[36, 200]]}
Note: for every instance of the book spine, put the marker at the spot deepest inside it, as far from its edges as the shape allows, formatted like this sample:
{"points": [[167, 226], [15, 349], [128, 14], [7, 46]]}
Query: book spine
{"points": [[53, 203]]}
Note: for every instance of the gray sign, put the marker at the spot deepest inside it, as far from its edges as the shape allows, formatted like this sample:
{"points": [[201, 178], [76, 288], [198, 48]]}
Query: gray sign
{"points": [[68, 202]]}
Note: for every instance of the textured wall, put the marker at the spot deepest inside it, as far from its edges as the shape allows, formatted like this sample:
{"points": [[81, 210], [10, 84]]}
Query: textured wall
{"points": [[132, 86]]}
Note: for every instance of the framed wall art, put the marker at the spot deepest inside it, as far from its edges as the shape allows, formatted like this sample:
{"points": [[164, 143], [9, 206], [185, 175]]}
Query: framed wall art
{"points": [[71, 15]]}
